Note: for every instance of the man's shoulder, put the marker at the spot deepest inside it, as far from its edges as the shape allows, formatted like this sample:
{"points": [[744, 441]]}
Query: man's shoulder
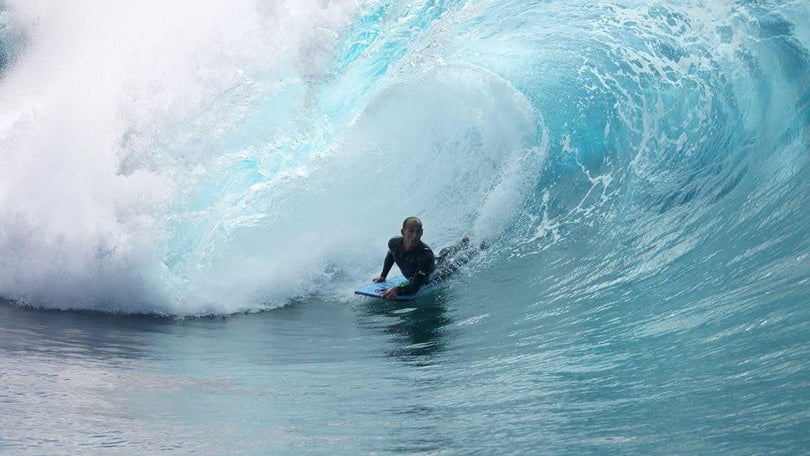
{"points": [[396, 242]]}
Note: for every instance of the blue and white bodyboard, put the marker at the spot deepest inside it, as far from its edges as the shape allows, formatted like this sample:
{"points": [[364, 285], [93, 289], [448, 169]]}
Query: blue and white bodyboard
{"points": [[376, 289]]}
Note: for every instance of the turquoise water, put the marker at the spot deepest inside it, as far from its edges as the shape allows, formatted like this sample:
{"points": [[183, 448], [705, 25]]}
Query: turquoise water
{"points": [[187, 204]]}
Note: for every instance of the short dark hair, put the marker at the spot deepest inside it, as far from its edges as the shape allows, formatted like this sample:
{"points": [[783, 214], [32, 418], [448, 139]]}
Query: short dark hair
{"points": [[411, 220]]}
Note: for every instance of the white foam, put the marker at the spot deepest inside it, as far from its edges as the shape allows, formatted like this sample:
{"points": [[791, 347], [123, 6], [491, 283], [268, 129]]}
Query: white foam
{"points": [[92, 154]]}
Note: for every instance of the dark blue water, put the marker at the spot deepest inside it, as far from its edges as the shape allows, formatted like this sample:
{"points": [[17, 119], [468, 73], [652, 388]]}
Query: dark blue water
{"points": [[187, 204]]}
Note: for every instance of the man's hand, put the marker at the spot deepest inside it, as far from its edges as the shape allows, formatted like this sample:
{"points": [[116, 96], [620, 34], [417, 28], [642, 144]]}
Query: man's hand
{"points": [[390, 294], [378, 279]]}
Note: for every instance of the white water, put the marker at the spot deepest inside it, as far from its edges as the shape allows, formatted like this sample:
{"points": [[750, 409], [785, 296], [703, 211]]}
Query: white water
{"points": [[198, 158]]}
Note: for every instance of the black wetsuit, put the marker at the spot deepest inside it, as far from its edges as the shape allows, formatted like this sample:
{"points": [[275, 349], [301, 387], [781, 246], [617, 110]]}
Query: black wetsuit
{"points": [[416, 264]]}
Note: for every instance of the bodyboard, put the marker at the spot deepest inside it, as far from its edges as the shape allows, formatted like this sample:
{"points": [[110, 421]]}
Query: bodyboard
{"points": [[376, 289]]}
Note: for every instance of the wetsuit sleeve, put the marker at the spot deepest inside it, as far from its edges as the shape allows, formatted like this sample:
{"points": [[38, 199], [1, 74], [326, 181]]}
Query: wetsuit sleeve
{"points": [[387, 264], [424, 267], [389, 257]]}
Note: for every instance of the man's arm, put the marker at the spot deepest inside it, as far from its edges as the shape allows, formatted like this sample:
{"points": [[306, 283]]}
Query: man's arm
{"points": [[389, 260], [387, 264], [423, 270]]}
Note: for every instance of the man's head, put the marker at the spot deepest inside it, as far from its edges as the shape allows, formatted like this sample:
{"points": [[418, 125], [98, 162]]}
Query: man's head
{"points": [[412, 229], [412, 221]]}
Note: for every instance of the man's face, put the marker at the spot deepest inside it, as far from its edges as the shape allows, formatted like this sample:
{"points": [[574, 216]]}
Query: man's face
{"points": [[412, 232]]}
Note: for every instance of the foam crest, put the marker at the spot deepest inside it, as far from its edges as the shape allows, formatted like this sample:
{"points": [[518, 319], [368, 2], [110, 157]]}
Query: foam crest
{"points": [[94, 139]]}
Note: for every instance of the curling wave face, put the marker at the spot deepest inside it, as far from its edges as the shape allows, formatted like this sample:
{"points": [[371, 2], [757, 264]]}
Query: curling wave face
{"points": [[233, 156]]}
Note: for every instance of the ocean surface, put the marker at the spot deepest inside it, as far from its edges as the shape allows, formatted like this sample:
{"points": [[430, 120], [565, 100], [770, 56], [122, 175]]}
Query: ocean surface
{"points": [[191, 190]]}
